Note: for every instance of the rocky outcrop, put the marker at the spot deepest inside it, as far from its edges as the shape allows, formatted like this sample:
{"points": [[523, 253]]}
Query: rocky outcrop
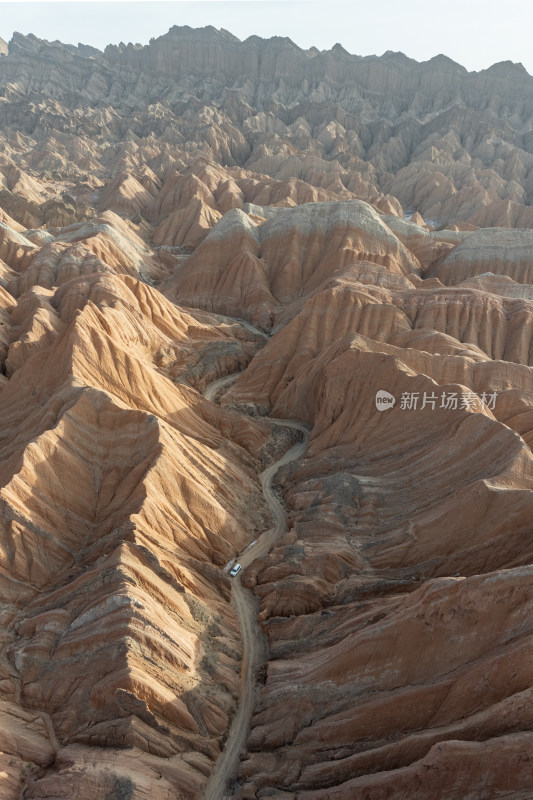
{"points": [[433, 138], [490, 251], [386, 567], [94, 473], [371, 216], [254, 271]]}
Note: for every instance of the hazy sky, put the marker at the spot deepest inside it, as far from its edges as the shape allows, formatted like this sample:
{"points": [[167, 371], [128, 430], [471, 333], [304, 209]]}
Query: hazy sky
{"points": [[473, 32]]}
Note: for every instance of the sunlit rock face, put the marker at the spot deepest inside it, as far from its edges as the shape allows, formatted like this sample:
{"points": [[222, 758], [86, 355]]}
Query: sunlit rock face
{"points": [[255, 270], [354, 236]]}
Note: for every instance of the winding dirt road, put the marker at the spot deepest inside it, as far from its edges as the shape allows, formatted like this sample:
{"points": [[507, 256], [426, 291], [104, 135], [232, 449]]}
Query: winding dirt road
{"points": [[253, 641]]}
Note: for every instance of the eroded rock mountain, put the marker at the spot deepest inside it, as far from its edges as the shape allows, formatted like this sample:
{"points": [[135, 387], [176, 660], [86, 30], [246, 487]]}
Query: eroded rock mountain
{"points": [[327, 228]]}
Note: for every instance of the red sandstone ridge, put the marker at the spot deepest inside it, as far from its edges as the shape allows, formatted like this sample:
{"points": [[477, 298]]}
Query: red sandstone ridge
{"points": [[254, 271], [385, 568], [84, 581], [288, 232]]}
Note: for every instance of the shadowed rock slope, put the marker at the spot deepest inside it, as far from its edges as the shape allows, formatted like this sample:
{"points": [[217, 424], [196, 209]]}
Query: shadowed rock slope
{"points": [[409, 535]]}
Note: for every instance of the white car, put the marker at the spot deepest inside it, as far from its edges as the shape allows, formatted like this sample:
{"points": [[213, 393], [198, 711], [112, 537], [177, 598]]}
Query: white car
{"points": [[235, 570]]}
